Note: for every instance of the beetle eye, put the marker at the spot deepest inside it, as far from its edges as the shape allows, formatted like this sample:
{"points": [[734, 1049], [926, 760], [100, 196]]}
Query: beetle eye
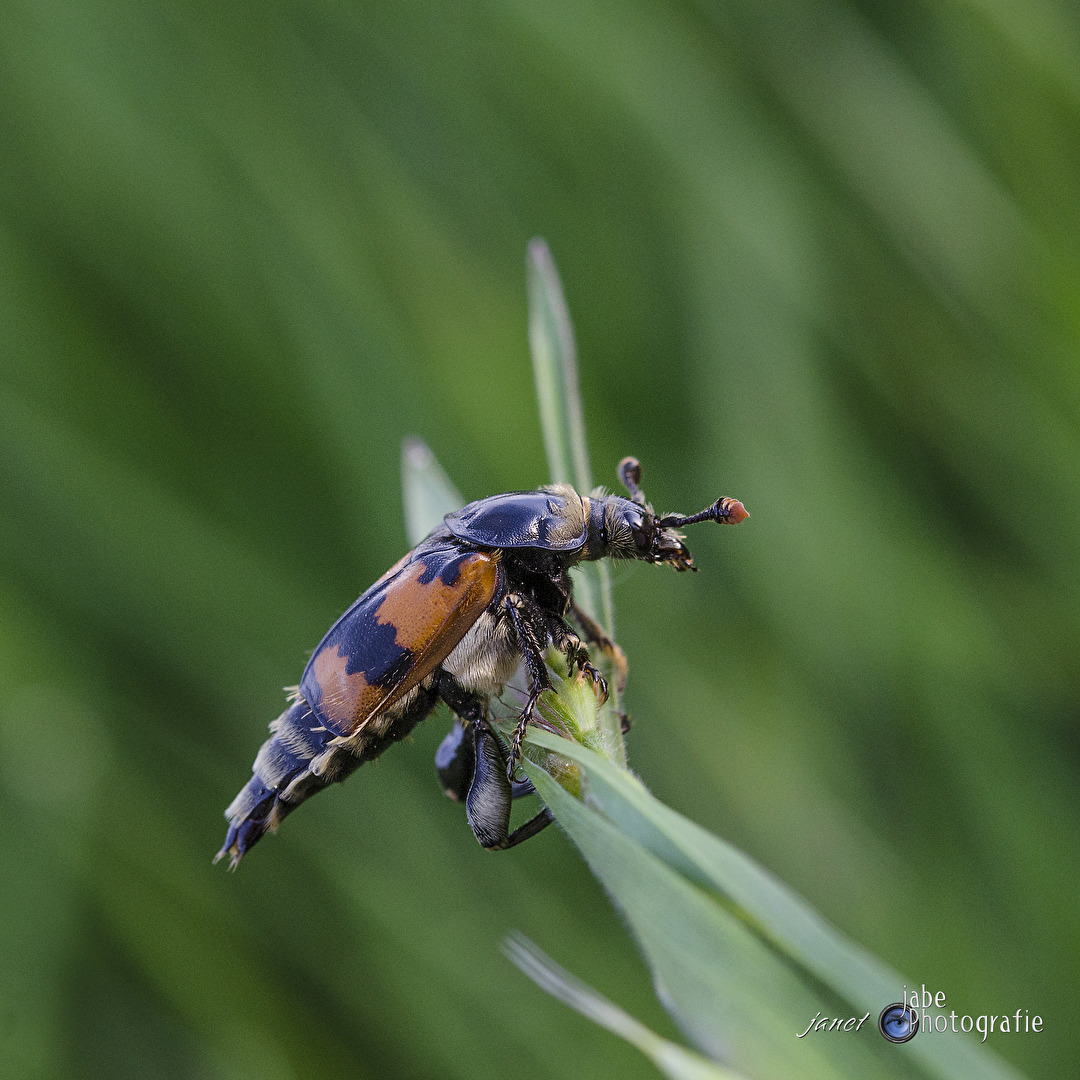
{"points": [[641, 528]]}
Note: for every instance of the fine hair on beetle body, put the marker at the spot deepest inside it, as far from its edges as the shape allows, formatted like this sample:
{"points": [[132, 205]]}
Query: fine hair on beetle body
{"points": [[485, 593]]}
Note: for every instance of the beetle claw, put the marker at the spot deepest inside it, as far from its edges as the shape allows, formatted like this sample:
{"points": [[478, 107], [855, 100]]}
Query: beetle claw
{"points": [[598, 681], [578, 656], [515, 750], [610, 648]]}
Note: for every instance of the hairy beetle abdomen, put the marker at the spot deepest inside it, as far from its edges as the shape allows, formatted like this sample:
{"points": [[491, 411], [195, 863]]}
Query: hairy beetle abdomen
{"points": [[299, 759], [302, 757]]}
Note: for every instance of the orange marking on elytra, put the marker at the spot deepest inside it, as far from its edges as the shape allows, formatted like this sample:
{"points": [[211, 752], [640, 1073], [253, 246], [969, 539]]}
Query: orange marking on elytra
{"points": [[428, 619], [343, 695], [420, 612]]}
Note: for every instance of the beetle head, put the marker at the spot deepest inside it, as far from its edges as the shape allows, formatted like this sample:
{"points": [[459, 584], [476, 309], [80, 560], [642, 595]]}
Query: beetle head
{"points": [[630, 529]]}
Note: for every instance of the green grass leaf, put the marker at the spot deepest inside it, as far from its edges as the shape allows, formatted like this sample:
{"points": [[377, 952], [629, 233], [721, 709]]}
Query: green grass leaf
{"points": [[670, 1058], [562, 418], [562, 415], [428, 493], [735, 998], [741, 961]]}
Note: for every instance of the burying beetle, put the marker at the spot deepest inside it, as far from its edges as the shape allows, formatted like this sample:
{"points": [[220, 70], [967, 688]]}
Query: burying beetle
{"points": [[485, 592]]}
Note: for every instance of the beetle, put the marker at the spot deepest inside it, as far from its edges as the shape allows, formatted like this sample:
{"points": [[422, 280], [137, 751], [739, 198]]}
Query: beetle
{"points": [[485, 592]]}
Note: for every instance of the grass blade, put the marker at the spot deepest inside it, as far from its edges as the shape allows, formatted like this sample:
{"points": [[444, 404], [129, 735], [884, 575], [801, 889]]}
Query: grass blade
{"points": [[562, 418], [782, 919], [741, 962], [735, 997], [562, 415], [670, 1058], [428, 493]]}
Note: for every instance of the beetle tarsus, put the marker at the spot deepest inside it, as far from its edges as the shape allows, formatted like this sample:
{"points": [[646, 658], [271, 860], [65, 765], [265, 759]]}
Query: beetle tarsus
{"points": [[519, 732], [595, 635], [599, 683], [524, 612], [577, 656]]}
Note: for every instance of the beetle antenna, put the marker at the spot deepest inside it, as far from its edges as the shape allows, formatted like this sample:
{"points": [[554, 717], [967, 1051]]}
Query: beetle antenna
{"points": [[724, 512], [630, 477]]}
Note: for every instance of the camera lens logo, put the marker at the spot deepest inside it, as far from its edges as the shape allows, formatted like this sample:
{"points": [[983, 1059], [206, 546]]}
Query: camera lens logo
{"points": [[898, 1022]]}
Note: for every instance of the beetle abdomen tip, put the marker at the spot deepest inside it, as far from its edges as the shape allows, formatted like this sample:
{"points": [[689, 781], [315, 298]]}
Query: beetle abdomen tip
{"points": [[290, 766]]}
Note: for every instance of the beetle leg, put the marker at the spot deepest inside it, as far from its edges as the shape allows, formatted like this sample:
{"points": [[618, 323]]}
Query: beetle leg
{"points": [[519, 608], [594, 633], [454, 759], [567, 642], [576, 655], [487, 804], [455, 762], [523, 722], [463, 703], [520, 788]]}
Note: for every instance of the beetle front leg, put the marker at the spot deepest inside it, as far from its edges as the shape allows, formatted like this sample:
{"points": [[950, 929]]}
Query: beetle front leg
{"points": [[595, 635], [487, 804], [567, 642]]}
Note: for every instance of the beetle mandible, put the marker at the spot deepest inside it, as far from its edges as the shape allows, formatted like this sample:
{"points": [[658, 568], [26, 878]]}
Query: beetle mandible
{"points": [[485, 592]]}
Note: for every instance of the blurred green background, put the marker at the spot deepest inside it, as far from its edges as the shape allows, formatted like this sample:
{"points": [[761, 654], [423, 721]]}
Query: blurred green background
{"points": [[822, 256]]}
